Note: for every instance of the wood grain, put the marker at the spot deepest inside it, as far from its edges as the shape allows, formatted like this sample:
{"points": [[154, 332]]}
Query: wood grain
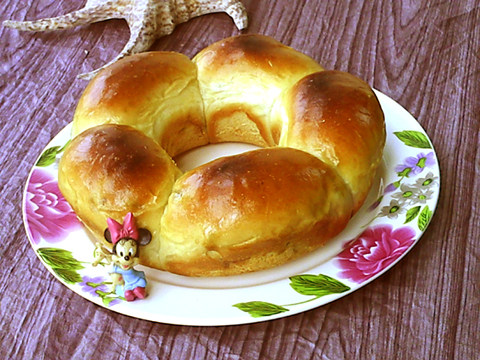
{"points": [[424, 54]]}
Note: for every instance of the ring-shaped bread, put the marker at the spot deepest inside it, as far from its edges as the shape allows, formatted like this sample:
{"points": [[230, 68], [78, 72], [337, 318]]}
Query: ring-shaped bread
{"points": [[322, 135]]}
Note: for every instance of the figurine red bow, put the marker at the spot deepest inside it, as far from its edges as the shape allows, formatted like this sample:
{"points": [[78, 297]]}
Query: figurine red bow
{"points": [[127, 230]]}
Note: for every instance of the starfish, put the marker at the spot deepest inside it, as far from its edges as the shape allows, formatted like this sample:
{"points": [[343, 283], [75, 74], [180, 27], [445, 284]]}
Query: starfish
{"points": [[147, 19]]}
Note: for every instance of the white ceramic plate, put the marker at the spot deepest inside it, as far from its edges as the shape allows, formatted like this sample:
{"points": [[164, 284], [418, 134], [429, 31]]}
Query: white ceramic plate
{"points": [[395, 215]]}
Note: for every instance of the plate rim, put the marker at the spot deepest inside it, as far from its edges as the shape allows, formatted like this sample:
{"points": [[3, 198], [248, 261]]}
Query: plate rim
{"points": [[133, 310]]}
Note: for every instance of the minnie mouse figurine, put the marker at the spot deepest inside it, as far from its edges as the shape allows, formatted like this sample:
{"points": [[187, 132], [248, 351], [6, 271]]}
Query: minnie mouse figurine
{"points": [[126, 239]]}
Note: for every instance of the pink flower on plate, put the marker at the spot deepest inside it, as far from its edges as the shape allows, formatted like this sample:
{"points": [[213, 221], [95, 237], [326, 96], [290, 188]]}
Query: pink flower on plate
{"points": [[48, 214], [373, 251]]}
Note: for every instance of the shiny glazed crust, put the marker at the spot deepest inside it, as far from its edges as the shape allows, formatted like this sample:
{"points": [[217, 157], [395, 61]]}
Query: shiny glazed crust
{"points": [[323, 134], [240, 79], [110, 168], [145, 91], [336, 117]]}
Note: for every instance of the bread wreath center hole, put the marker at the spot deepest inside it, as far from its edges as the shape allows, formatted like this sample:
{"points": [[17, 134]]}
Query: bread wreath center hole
{"points": [[193, 158]]}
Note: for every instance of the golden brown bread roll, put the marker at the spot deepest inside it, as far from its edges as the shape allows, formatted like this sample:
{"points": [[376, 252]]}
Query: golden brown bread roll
{"points": [[252, 211], [323, 133], [336, 117], [156, 93], [240, 79], [110, 168]]}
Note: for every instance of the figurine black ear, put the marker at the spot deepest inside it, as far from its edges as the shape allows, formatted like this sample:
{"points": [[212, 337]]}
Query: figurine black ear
{"points": [[144, 236], [107, 235]]}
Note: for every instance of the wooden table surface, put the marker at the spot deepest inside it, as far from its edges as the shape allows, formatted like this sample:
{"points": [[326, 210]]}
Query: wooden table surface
{"points": [[424, 54]]}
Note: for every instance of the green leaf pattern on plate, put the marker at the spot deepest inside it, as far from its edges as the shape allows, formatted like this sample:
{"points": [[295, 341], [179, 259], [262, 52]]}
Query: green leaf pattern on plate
{"points": [[414, 139], [49, 156], [62, 263], [306, 284], [317, 285], [412, 213], [424, 218], [260, 308]]}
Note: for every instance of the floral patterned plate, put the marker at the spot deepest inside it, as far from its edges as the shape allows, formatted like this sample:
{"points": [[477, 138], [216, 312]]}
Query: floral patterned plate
{"points": [[395, 215]]}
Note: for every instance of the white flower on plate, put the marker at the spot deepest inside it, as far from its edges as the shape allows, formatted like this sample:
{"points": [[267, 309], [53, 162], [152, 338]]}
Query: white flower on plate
{"points": [[394, 209], [422, 195], [405, 195], [426, 182]]}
